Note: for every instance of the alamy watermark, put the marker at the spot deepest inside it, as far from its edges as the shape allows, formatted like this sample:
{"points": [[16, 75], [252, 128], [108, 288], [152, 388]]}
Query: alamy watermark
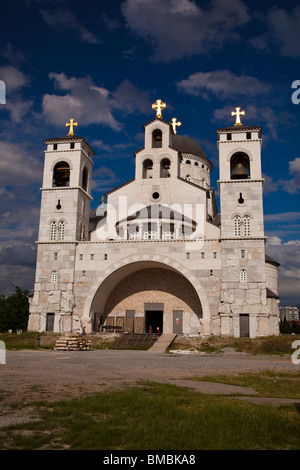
{"points": [[295, 358], [296, 94], [152, 222], [2, 92], [2, 353]]}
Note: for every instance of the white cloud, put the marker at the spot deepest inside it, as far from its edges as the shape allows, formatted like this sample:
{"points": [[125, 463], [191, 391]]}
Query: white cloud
{"points": [[14, 79], [288, 255], [268, 118], [64, 18], [284, 27], [179, 28], [292, 186], [223, 84], [84, 101], [17, 166], [91, 104]]}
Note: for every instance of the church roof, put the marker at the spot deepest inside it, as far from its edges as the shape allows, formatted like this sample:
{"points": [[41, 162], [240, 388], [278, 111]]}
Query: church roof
{"points": [[271, 294], [239, 129], [270, 260], [70, 138], [187, 145]]}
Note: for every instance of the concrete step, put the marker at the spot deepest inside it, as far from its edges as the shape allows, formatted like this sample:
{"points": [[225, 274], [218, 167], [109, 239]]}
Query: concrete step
{"points": [[162, 343]]}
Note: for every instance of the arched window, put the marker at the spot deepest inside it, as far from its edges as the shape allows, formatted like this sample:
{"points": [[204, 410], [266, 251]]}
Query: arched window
{"points": [[237, 226], [61, 231], [157, 138], [247, 226], [165, 168], [188, 162], [239, 166], [243, 275], [54, 276], [84, 179], [147, 168], [61, 174], [53, 231]]}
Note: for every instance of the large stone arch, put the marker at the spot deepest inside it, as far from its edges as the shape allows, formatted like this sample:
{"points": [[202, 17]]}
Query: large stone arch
{"points": [[102, 287]]}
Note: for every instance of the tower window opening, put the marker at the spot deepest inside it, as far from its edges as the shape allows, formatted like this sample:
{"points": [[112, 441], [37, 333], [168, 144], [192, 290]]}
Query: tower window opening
{"points": [[84, 179], [157, 138], [229, 136], [239, 166], [243, 275], [241, 200], [148, 168], [54, 276], [72, 145], [61, 231], [53, 231], [246, 226], [58, 205], [54, 146], [243, 254], [237, 226], [165, 168], [188, 162], [248, 135], [61, 174]]}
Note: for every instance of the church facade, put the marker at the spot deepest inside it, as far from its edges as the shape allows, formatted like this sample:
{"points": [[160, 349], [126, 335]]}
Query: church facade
{"points": [[156, 256]]}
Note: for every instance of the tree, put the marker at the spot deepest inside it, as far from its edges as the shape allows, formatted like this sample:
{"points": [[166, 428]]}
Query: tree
{"points": [[14, 311]]}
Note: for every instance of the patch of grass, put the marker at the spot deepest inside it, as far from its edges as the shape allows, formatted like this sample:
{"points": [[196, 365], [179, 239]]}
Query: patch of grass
{"points": [[270, 345], [156, 417], [267, 384]]}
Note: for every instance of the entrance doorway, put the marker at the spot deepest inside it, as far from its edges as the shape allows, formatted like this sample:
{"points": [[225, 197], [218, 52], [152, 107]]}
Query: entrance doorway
{"points": [[244, 325], [50, 322], [154, 321]]}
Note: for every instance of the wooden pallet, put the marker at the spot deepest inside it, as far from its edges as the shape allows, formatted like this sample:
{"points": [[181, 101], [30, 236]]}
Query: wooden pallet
{"points": [[73, 343]]}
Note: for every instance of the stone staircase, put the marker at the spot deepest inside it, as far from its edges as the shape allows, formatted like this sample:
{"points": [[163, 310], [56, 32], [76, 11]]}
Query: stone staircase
{"points": [[151, 342], [136, 341]]}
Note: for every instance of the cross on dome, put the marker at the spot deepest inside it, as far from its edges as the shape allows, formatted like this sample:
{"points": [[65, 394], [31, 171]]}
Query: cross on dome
{"points": [[238, 113], [71, 124], [175, 123], [159, 106]]}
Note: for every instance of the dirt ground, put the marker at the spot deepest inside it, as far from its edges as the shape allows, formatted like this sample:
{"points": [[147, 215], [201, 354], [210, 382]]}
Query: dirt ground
{"points": [[49, 375]]}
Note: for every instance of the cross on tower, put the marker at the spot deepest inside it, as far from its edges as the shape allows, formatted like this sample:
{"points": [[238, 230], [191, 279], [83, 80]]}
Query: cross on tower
{"points": [[71, 124], [159, 106], [238, 113], [174, 124]]}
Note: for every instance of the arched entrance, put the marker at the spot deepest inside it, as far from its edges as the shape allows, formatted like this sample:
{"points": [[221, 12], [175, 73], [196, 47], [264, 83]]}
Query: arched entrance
{"points": [[137, 292]]}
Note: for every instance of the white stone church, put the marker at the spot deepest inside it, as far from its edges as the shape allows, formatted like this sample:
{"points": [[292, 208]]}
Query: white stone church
{"points": [[156, 256]]}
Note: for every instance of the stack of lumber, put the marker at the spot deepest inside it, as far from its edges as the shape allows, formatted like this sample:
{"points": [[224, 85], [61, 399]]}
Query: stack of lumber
{"points": [[73, 343]]}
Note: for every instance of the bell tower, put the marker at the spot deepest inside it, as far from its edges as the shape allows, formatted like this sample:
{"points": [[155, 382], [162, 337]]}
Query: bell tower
{"points": [[64, 222], [243, 299]]}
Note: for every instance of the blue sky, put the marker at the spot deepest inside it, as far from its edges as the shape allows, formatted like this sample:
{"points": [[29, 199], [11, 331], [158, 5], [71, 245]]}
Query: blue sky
{"points": [[105, 62]]}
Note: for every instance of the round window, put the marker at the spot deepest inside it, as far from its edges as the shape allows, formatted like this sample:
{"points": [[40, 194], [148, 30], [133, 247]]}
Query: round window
{"points": [[155, 195]]}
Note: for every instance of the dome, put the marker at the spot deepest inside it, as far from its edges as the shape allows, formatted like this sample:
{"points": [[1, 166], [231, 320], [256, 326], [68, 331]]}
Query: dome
{"points": [[186, 145]]}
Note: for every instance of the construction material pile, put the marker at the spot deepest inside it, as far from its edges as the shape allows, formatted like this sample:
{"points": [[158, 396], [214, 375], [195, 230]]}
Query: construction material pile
{"points": [[73, 343]]}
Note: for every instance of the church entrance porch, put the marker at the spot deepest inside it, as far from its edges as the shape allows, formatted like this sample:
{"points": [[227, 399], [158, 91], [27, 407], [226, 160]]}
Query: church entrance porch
{"points": [[149, 297]]}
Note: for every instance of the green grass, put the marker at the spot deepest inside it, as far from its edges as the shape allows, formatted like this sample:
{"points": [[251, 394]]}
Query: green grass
{"points": [[267, 384], [269, 345], [156, 417]]}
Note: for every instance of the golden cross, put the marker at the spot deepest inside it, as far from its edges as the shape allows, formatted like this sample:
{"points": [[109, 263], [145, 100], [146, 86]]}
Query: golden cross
{"points": [[174, 124], [238, 113], [71, 124], [159, 106]]}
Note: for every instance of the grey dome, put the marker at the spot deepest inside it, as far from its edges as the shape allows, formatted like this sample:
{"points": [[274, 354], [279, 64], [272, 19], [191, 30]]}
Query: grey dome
{"points": [[186, 145]]}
